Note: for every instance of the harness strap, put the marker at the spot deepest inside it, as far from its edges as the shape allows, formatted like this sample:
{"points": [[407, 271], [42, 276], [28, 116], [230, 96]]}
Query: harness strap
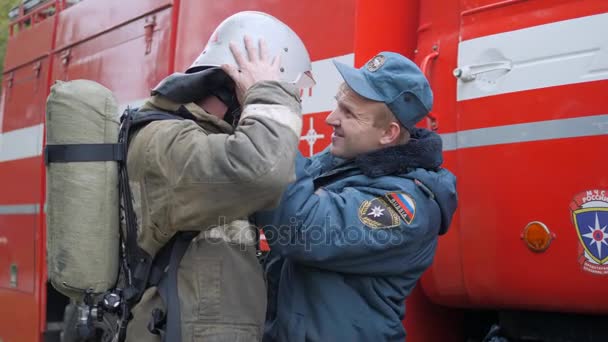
{"points": [[169, 324], [83, 153]]}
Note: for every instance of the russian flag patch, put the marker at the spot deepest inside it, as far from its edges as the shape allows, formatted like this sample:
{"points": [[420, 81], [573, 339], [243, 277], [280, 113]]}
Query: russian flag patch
{"points": [[403, 204]]}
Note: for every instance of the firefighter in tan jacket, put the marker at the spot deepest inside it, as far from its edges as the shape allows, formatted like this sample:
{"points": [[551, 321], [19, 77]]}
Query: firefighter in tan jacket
{"points": [[203, 174]]}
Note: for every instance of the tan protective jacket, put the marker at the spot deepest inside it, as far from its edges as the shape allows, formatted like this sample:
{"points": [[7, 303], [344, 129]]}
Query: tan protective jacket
{"points": [[203, 176]]}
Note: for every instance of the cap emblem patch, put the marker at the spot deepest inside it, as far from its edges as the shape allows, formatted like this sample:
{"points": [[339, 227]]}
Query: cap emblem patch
{"points": [[375, 63]]}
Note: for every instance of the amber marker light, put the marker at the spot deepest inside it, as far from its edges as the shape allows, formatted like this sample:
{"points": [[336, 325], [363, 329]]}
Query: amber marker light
{"points": [[537, 236]]}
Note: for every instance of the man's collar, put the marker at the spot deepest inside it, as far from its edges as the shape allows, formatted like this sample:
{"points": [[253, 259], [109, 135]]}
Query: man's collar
{"points": [[423, 150]]}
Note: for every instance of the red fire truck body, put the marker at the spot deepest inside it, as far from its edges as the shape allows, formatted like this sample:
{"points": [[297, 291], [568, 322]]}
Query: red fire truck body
{"points": [[521, 103]]}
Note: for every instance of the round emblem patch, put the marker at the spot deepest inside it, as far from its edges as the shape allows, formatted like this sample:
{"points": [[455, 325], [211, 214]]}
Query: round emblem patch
{"points": [[590, 217], [375, 63], [377, 214]]}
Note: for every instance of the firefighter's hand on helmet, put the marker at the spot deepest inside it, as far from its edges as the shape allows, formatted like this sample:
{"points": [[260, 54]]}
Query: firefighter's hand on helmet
{"points": [[256, 66]]}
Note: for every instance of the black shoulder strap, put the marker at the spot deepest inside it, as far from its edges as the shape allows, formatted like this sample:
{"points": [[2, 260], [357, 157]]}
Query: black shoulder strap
{"points": [[139, 263], [145, 268]]}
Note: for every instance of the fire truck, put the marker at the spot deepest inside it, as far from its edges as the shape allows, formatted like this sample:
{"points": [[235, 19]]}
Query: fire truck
{"points": [[521, 103]]}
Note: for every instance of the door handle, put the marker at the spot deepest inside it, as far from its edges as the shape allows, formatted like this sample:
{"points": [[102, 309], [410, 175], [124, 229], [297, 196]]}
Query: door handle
{"points": [[469, 73], [424, 67]]}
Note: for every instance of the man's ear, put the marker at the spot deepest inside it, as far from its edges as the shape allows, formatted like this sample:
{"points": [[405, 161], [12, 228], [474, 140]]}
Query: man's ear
{"points": [[391, 134]]}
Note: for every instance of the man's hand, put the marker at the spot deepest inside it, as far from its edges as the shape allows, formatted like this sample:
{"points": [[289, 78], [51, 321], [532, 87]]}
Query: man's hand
{"points": [[257, 67]]}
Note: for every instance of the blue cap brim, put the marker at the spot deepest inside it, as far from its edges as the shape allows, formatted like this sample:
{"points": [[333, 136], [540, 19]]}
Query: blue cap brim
{"points": [[357, 82]]}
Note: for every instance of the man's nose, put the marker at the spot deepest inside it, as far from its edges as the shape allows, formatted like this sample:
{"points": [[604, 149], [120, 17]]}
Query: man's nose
{"points": [[332, 119]]}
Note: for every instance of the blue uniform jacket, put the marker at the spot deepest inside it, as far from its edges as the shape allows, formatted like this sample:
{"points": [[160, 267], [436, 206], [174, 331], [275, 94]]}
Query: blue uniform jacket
{"points": [[350, 239]]}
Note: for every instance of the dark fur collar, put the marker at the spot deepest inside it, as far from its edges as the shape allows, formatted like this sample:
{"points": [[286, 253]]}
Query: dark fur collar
{"points": [[424, 150]]}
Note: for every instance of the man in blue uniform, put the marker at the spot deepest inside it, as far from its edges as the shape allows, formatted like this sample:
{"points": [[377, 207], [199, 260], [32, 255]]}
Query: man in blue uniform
{"points": [[360, 225]]}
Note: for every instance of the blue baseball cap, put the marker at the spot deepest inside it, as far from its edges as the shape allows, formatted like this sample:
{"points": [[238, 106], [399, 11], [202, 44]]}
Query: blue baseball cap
{"points": [[395, 80]]}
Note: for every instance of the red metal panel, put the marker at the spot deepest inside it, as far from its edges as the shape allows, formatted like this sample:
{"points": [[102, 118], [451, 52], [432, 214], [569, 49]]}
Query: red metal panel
{"points": [[77, 24], [173, 41], [20, 181], [540, 183], [30, 44], [561, 102], [17, 234], [25, 96], [437, 33], [390, 27], [444, 282], [427, 322], [482, 261], [436, 53], [25, 88], [118, 60], [326, 27], [41, 271], [509, 15], [18, 311]]}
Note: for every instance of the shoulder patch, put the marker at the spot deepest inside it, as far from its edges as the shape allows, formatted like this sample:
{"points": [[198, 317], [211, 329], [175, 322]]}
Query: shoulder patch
{"points": [[403, 204], [378, 214]]}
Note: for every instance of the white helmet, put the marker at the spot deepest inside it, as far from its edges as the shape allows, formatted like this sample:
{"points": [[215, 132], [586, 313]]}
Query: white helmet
{"points": [[281, 40]]}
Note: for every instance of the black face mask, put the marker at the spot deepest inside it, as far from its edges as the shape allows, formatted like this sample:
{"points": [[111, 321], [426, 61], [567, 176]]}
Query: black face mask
{"points": [[198, 84]]}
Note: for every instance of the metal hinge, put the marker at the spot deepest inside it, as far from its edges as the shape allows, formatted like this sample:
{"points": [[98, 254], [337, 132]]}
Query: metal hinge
{"points": [[10, 79], [37, 66], [13, 275], [65, 57], [149, 26]]}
